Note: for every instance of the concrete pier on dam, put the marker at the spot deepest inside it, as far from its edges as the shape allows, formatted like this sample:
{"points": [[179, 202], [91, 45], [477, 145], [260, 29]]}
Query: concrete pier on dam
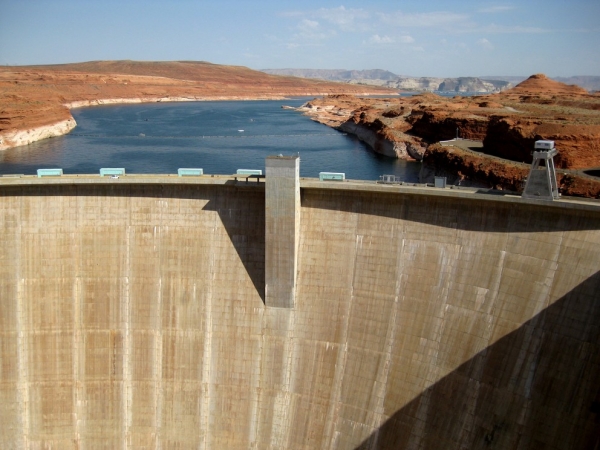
{"points": [[134, 314]]}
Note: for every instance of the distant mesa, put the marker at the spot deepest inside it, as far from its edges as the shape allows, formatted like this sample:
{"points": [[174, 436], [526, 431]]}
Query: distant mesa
{"points": [[336, 74], [385, 78], [541, 84], [377, 77]]}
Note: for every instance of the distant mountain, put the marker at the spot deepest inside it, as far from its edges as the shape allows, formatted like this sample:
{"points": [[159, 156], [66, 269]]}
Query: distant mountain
{"points": [[335, 74], [541, 84], [589, 83], [511, 79], [458, 85], [416, 84], [472, 84], [378, 77]]}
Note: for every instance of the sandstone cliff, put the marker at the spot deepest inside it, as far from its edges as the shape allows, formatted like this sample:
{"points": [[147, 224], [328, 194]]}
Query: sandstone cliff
{"points": [[507, 124], [335, 74], [382, 130], [461, 84], [463, 167], [471, 84], [388, 79]]}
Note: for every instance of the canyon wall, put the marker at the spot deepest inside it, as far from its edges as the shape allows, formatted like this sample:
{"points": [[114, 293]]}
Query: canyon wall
{"points": [[132, 316]]}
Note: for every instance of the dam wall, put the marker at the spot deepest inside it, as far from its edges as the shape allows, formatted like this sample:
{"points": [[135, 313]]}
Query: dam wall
{"points": [[133, 315]]}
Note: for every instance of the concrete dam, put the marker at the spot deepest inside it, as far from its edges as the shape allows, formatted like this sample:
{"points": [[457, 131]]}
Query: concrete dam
{"points": [[212, 313]]}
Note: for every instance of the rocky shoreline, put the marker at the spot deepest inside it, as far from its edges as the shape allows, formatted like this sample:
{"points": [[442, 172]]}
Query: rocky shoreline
{"points": [[372, 131], [15, 138]]}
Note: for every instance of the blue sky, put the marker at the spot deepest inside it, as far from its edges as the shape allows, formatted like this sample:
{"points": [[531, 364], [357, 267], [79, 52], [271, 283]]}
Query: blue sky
{"points": [[417, 38]]}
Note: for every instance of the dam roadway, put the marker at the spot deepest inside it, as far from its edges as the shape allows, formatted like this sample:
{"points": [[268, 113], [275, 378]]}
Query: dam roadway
{"points": [[133, 314]]}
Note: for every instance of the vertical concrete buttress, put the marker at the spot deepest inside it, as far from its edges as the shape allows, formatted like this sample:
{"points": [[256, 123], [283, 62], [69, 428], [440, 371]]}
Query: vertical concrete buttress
{"points": [[282, 227]]}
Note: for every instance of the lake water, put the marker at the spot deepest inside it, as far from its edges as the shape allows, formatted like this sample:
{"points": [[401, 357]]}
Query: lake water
{"points": [[219, 137]]}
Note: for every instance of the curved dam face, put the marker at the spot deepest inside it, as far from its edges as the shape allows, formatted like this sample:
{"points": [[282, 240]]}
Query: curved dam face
{"points": [[133, 316]]}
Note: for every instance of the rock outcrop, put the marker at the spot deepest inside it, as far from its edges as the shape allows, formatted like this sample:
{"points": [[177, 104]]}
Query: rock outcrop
{"points": [[385, 78], [507, 124], [380, 130], [472, 84], [461, 84], [14, 138], [382, 139], [347, 76], [463, 167], [547, 109]]}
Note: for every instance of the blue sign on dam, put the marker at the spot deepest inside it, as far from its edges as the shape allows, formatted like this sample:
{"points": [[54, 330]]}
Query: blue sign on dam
{"points": [[219, 136]]}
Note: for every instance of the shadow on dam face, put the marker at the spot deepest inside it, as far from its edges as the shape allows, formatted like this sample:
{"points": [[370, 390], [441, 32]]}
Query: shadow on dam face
{"points": [[536, 388], [131, 317], [451, 214], [244, 225], [538, 384], [247, 233]]}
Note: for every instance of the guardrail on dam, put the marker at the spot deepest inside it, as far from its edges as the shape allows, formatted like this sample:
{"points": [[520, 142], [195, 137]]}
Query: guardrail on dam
{"points": [[133, 315]]}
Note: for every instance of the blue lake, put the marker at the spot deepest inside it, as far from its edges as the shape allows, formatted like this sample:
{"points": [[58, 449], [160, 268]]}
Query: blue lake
{"points": [[219, 137]]}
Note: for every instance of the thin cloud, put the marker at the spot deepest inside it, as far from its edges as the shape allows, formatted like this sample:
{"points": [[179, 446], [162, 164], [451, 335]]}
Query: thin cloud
{"points": [[456, 23], [496, 9], [376, 39], [346, 19], [312, 30], [424, 20], [485, 44], [512, 29], [309, 24]]}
